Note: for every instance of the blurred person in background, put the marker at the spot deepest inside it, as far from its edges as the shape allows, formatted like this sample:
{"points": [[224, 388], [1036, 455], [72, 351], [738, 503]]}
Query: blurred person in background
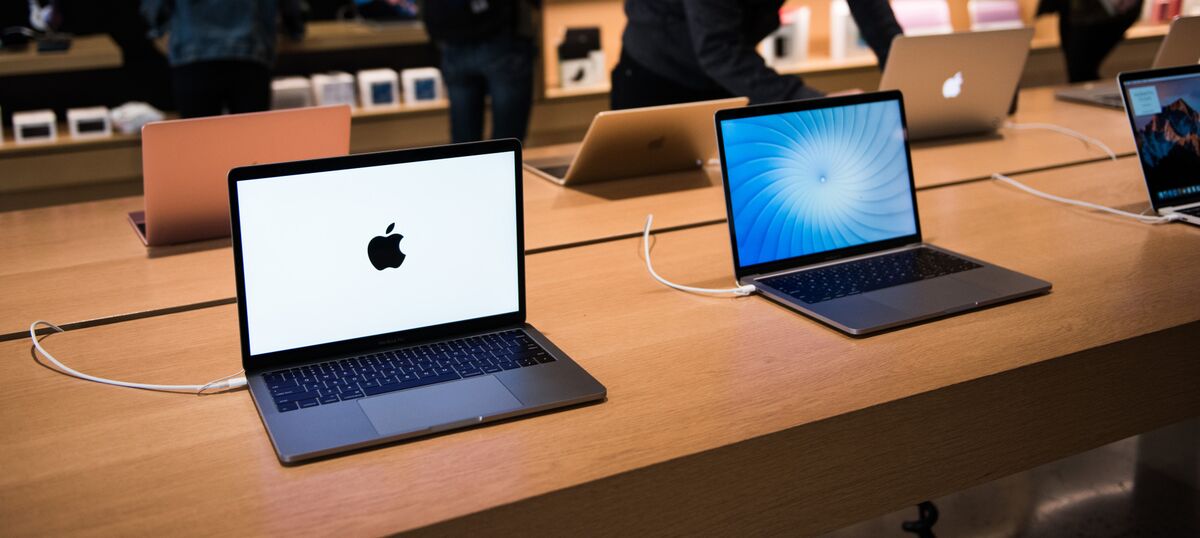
{"points": [[487, 49], [1089, 30], [221, 51], [676, 51]]}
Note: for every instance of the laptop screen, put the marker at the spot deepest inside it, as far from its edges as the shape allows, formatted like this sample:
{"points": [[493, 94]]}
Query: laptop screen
{"points": [[821, 180], [1166, 128], [342, 254]]}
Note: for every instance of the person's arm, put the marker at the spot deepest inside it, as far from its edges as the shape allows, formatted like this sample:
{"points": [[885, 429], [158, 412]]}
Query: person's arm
{"points": [[878, 25], [293, 19], [727, 57], [156, 13]]}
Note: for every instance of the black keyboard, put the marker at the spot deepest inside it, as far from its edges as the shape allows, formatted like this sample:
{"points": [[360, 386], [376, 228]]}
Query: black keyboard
{"points": [[869, 274], [1193, 211], [358, 377]]}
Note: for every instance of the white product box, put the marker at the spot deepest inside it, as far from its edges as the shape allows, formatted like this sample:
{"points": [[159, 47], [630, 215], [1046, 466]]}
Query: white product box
{"points": [[994, 15], [923, 17], [422, 85], [788, 46], [35, 126], [379, 88], [291, 92], [90, 122], [845, 41], [583, 72], [334, 88]]}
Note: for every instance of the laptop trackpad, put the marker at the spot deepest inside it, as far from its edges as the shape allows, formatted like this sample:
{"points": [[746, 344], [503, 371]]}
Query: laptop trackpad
{"points": [[438, 405], [929, 296]]}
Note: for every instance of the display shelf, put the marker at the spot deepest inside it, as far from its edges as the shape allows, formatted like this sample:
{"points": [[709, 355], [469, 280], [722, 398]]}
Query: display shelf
{"points": [[322, 36], [64, 142], [86, 52], [607, 14], [566, 93]]}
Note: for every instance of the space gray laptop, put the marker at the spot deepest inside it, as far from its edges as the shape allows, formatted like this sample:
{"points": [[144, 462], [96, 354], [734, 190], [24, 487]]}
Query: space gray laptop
{"points": [[822, 216], [1164, 112], [1181, 46], [382, 297]]}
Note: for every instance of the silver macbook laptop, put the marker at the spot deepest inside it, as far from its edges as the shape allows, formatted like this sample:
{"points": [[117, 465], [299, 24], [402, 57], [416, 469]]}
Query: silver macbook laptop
{"points": [[639, 142], [957, 84], [823, 217], [382, 297], [1164, 112], [1181, 46]]}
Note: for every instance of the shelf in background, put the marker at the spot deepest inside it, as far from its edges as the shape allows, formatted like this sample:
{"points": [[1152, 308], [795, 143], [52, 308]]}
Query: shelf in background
{"points": [[566, 93], [65, 143], [322, 36], [86, 52]]}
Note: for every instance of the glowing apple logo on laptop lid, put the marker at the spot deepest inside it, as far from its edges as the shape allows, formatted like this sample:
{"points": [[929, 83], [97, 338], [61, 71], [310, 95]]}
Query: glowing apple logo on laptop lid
{"points": [[953, 86]]}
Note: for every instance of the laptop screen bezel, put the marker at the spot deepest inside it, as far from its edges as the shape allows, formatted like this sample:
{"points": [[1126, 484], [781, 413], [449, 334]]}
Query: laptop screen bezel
{"points": [[1123, 79], [394, 339], [801, 106]]}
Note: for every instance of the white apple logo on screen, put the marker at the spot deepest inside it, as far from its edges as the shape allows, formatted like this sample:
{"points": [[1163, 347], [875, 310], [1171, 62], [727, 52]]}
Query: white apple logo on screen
{"points": [[384, 250], [953, 86]]}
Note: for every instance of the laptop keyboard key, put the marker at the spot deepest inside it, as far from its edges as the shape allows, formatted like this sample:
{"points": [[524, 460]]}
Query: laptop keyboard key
{"points": [[286, 406]]}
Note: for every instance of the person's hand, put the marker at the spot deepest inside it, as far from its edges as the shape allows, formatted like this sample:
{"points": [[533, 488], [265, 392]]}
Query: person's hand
{"points": [[851, 91]]}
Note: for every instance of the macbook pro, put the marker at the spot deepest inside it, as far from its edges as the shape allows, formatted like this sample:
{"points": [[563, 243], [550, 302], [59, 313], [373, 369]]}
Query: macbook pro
{"points": [[382, 297], [823, 219], [1164, 111], [957, 84], [639, 142]]}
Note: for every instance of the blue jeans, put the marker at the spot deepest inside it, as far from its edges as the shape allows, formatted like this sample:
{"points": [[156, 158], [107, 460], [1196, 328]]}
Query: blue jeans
{"points": [[501, 67]]}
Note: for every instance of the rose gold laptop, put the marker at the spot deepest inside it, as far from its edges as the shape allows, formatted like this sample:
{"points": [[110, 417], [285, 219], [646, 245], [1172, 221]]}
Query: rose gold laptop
{"points": [[185, 164]]}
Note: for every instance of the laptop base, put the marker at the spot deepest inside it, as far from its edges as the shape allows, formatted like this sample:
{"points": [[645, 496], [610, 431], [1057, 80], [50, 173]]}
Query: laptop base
{"points": [[137, 219], [1095, 94], [385, 418], [907, 304]]}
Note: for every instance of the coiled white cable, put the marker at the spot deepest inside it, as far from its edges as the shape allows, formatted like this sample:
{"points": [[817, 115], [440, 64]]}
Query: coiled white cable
{"points": [[219, 384], [1172, 217], [1063, 130], [739, 291]]}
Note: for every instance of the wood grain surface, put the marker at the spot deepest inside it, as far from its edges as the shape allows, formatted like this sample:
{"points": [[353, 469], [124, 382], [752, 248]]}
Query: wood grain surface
{"points": [[730, 415], [98, 278]]}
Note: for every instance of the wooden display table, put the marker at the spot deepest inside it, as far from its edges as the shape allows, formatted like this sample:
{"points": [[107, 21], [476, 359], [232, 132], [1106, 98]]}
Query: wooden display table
{"points": [[725, 416]]}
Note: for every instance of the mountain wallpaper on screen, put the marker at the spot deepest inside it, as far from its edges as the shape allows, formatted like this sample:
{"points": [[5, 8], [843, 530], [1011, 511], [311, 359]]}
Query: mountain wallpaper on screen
{"points": [[1170, 146]]}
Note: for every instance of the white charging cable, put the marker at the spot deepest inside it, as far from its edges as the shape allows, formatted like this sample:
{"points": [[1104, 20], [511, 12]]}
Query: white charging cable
{"points": [[1063, 130], [1172, 217], [228, 382], [740, 290]]}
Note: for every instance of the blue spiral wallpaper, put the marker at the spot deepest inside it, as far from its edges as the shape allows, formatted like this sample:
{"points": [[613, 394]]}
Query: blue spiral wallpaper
{"points": [[807, 182]]}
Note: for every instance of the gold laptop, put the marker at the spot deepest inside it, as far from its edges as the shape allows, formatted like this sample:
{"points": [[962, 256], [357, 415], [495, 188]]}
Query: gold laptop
{"points": [[639, 142]]}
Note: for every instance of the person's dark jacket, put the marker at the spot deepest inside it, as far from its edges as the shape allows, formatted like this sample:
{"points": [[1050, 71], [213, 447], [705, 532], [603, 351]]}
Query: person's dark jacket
{"points": [[708, 44], [202, 30], [458, 21]]}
